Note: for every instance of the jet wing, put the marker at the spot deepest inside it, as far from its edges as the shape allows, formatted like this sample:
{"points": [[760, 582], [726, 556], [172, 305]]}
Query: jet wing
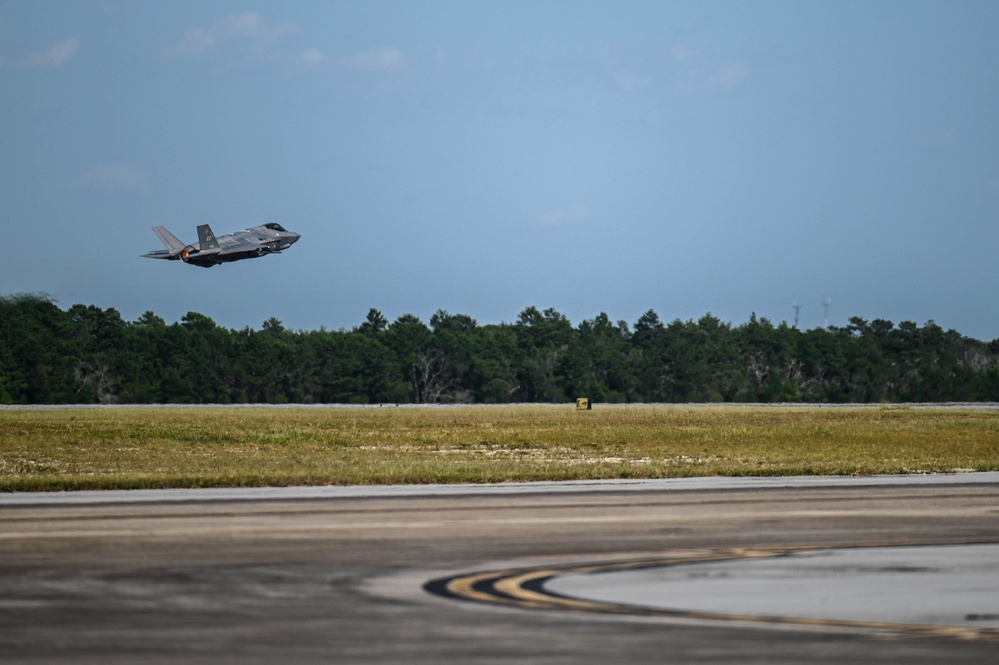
{"points": [[204, 258]]}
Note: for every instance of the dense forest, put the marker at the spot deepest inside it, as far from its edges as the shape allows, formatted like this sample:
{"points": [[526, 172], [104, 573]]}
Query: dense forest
{"points": [[91, 355]]}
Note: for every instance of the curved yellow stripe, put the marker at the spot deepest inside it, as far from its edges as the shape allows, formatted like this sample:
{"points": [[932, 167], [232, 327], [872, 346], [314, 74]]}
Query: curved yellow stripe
{"points": [[508, 587], [514, 587], [464, 587]]}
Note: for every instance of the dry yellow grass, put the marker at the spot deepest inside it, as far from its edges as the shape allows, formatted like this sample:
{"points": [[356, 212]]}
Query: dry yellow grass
{"points": [[199, 447]]}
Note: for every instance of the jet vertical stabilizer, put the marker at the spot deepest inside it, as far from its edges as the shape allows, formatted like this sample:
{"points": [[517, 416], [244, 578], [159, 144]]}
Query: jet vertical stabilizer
{"points": [[206, 238]]}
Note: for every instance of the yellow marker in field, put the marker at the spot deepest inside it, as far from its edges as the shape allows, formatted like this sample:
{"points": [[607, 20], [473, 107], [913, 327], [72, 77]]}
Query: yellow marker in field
{"points": [[583, 404]]}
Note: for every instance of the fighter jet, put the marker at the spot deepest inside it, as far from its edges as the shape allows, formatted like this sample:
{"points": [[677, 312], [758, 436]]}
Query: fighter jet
{"points": [[210, 251]]}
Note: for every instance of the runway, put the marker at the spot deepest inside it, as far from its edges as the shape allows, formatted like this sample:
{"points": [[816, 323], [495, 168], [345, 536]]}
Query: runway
{"points": [[342, 574]]}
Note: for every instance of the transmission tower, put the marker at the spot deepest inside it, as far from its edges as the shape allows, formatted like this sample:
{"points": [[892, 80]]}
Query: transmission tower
{"points": [[797, 312], [826, 304]]}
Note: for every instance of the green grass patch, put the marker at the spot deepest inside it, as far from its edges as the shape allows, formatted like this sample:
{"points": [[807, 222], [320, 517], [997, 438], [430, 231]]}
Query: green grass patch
{"points": [[115, 448]]}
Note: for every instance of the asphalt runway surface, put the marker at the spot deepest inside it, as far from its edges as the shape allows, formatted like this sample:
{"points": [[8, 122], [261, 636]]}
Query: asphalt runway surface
{"points": [[503, 574]]}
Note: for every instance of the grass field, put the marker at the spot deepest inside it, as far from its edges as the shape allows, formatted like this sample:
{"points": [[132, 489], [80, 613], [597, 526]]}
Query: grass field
{"points": [[112, 448]]}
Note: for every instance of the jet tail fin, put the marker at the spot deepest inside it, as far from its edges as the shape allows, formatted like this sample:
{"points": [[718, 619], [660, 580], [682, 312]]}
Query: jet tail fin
{"points": [[206, 238], [168, 239]]}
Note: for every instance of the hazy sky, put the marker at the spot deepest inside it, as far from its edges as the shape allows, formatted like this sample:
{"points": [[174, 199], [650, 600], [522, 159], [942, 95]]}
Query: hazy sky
{"points": [[483, 157]]}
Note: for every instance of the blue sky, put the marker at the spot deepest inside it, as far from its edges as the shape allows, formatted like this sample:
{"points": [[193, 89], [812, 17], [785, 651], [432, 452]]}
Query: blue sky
{"points": [[483, 157]]}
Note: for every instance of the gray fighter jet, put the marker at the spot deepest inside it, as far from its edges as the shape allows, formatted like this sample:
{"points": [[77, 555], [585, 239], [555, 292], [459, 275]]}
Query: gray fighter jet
{"points": [[210, 251]]}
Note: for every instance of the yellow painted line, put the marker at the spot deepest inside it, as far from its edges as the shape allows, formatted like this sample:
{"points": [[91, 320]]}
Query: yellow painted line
{"points": [[464, 587], [507, 587], [514, 587]]}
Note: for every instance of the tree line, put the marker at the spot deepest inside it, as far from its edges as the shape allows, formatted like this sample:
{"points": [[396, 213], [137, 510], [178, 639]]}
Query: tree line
{"points": [[86, 354]]}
